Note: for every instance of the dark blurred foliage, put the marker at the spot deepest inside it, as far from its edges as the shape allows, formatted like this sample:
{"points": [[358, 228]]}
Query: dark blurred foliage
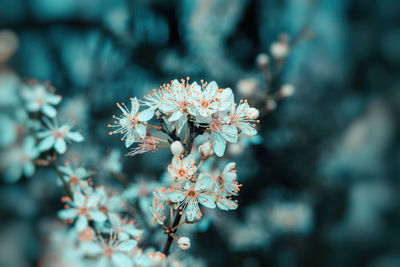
{"points": [[333, 144]]}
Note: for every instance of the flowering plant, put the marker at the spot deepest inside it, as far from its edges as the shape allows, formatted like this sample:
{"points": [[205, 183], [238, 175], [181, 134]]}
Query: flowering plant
{"points": [[185, 111]]}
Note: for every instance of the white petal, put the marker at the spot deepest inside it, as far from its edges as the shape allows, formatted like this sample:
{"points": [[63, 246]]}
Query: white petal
{"points": [[127, 246], [46, 143], [219, 144], [49, 110], [120, 259], [75, 136], [146, 114], [61, 145], [230, 133], [135, 106], [177, 196], [192, 209], [68, 214], [97, 216], [175, 116], [207, 200], [81, 223], [140, 130]]}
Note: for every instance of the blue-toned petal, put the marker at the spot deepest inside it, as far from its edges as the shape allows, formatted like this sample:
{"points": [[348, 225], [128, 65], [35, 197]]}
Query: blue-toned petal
{"points": [[49, 110], [141, 130], [207, 200], [120, 259], [60, 145], [176, 115], [146, 114], [97, 216], [29, 169], [75, 136], [81, 223], [46, 143], [68, 214], [127, 246], [219, 144]]}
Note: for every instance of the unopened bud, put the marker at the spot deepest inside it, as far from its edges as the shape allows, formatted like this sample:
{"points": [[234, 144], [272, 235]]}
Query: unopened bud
{"points": [[287, 90], [247, 87], [184, 243], [206, 150], [262, 61], [280, 49], [270, 104], [235, 149], [177, 148]]}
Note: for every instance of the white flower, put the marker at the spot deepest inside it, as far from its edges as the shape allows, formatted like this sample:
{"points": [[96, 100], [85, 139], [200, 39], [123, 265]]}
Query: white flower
{"points": [[130, 123], [262, 61], [209, 101], [82, 208], [177, 148], [76, 176], [39, 98], [227, 179], [182, 168], [190, 194], [111, 252], [222, 131], [244, 118], [224, 200], [206, 150], [184, 242], [57, 137], [149, 143], [287, 90], [279, 50], [19, 160]]}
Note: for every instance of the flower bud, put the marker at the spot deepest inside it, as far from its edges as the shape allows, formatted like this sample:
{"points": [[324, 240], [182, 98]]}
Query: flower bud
{"points": [[184, 243], [206, 150], [247, 87], [262, 61], [270, 104], [280, 49], [287, 90], [235, 149], [177, 148]]}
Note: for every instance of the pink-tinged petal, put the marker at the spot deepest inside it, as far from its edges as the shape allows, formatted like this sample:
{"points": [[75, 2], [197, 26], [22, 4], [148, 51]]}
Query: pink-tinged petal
{"points": [[146, 114], [75, 136], [97, 216], [49, 110], [68, 214], [81, 223], [127, 246], [60, 145], [219, 144], [46, 143]]}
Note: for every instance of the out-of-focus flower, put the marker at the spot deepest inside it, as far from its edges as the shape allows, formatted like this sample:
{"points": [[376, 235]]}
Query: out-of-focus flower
{"points": [[75, 176], [58, 136], [39, 98], [82, 208], [248, 87], [8, 45], [262, 61], [222, 131], [18, 160], [287, 90]]}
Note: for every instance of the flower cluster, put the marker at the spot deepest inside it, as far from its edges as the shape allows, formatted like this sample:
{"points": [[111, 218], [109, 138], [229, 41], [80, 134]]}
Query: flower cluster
{"points": [[185, 111]]}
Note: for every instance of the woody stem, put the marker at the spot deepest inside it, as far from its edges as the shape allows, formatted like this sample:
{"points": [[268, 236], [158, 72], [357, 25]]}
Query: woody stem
{"points": [[66, 185]]}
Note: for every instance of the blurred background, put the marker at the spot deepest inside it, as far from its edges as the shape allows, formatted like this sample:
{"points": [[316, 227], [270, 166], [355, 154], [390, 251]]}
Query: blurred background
{"points": [[320, 184]]}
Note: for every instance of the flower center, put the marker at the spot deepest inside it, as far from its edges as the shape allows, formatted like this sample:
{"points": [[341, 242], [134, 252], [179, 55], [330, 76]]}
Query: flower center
{"points": [[132, 122], [83, 211], [58, 134], [204, 103], [73, 179], [182, 173], [215, 125], [108, 251], [86, 234], [182, 105], [103, 209], [192, 194]]}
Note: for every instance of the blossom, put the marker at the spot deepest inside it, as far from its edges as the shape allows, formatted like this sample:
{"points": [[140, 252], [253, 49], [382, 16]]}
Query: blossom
{"points": [[224, 200], [244, 118], [111, 251], [130, 123], [182, 168], [227, 179], [222, 131], [210, 100], [149, 143], [57, 136], [160, 201], [82, 209], [191, 193], [39, 98], [109, 205], [76, 176], [19, 160]]}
